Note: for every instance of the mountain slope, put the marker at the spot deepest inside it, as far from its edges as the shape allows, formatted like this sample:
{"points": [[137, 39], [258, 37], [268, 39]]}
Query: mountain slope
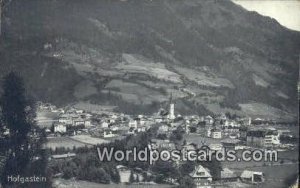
{"points": [[212, 56]]}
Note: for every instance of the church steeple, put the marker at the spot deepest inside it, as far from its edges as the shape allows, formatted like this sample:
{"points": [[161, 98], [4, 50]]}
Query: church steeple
{"points": [[172, 108]]}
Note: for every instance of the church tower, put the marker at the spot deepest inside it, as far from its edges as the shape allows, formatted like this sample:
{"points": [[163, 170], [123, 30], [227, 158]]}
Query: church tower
{"points": [[172, 109]]}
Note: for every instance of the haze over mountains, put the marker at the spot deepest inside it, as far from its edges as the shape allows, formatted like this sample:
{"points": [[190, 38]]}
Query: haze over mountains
{"points": [[211, 56]]}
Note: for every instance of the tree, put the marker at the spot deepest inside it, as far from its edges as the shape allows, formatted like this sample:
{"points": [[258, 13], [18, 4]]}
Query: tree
{"points": [[165, 169], [17, 115], [291, 180], [177, 135], [114, 173], [193, 129], [131, 178], [16, 111], [187, 167], [214, 166], [137, 178], [186, 182]]}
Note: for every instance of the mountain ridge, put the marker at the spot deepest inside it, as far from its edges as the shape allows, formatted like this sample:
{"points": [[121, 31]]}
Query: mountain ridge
{"points": [[212, 56]]}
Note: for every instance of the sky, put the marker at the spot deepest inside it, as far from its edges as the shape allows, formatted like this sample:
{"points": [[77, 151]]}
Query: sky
{"points": [[286, 12]]}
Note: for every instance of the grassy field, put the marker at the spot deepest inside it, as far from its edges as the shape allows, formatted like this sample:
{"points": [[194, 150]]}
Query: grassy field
{"points": [[84, 89], [66, 142], [275, 175], [203, 76], [263, 110], [135, 93], [60, 183], [142, 65], [94, 108], [75, 141], [87, 139]]}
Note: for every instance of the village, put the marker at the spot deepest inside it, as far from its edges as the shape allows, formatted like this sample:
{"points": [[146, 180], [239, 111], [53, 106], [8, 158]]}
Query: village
{"points": [[74, 128]]}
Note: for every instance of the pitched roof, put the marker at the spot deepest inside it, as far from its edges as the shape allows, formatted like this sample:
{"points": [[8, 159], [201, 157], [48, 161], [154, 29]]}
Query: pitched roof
{"points": [[198, 169], [227, 173], [249, 174]]}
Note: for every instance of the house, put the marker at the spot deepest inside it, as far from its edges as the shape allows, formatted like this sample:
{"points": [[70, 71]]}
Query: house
{"points": [[124, 173], [243, 133], [216, 134], [201, 177], [131, 131], [78, 111], [65, 119], [6, 132], [141, 129], [78, 121], [222, 117], [252, 177], [272, 138], [133, 123], [189, 147], [230, 145], [209, 132], [231, 124], [228, 175], [104, 124], [111, 120], [87, 123], [162, 144], [114, 128], [209, 120], [194, 121], [263, 138], [187, 128], [231, 131], [58, 110], [107, 134], [47, 130], [163, 129], [215, 147], [246, 121], [255, 138], [75, 121], [87, 115], [60, 128]]}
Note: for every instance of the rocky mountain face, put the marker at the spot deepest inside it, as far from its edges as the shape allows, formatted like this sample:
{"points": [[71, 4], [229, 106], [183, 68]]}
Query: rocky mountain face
{"points": [[211, 56]]}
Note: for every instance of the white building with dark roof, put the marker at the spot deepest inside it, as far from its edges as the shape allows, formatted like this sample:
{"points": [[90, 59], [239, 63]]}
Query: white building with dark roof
{"points": [[60, 128], [201, 176], [252, 177], [228, 175]]}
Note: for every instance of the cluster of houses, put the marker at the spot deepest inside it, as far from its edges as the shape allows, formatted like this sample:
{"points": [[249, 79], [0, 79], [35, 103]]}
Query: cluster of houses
{"points": [[219, 127], [263, 138], [71, 119], [224, 131], [201, 176], [216, 132]]}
